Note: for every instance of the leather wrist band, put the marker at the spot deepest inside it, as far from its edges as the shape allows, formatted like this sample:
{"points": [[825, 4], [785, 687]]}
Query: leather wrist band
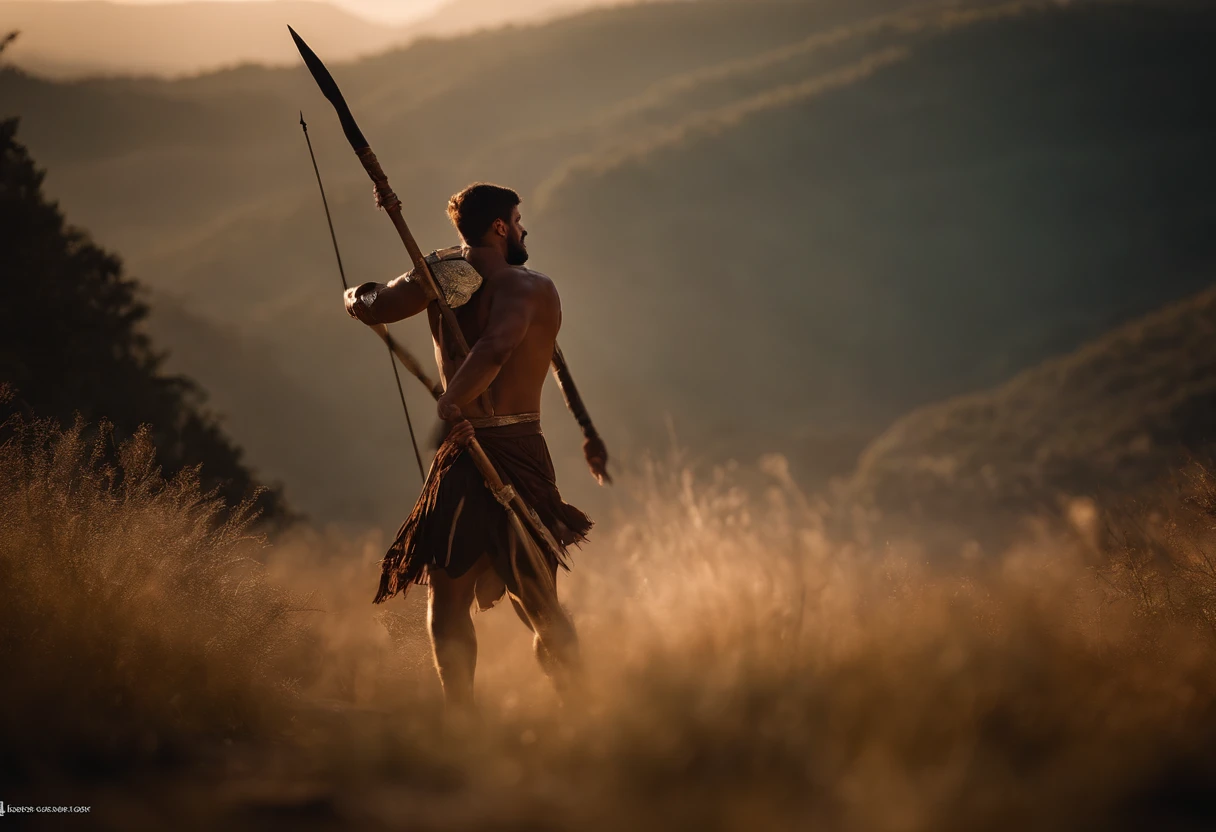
{"points": [[365, 293]]}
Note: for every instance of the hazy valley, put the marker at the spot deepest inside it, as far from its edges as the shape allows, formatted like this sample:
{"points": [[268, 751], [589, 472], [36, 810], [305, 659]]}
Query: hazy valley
{"points": [[773, 227]]}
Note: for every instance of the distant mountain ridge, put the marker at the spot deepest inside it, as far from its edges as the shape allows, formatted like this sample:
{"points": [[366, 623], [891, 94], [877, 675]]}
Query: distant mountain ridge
{"points": [[93, 37], [75, 38], [461, 16]]}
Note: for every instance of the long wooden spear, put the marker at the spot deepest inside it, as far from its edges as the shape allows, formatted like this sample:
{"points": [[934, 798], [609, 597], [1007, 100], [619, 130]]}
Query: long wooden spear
{"points": [[518, 512]]}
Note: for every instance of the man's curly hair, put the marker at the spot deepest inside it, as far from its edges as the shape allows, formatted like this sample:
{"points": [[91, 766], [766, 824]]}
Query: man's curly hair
{"points": [[474, 209]]}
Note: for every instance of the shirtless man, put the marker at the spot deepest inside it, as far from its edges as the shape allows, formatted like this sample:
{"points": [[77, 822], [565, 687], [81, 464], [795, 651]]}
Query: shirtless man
{"points": [[457, 540]]}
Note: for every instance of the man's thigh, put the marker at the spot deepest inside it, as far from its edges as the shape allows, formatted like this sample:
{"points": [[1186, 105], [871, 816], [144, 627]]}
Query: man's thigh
{"points": [[454, 593]]}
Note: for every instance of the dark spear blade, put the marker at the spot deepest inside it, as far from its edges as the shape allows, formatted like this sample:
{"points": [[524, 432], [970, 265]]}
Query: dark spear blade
{"points": [[329, 88]]}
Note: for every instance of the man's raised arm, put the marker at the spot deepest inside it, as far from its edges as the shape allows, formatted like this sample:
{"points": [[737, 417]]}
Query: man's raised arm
{"points": [[377, 303]]}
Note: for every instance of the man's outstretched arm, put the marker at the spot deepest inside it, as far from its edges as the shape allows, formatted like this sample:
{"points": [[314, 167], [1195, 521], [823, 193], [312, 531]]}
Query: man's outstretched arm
{"points": [[377, 303], [510, 316]]}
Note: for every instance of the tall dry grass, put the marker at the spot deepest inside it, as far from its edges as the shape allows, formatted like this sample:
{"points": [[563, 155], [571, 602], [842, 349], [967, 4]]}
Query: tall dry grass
{"points": [[748, 672], [745, 671], [134, 622], [1159, 557]]}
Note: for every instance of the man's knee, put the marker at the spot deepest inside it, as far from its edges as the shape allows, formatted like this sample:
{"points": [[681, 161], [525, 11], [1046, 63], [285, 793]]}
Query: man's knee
{"points": [[449, 608], [444, 624], [558, 631], [554, 629]]}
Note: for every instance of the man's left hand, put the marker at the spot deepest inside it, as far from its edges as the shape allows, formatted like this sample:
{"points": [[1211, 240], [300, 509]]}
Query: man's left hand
{"points": [[462, 433], [597, 459], [462, 430]]}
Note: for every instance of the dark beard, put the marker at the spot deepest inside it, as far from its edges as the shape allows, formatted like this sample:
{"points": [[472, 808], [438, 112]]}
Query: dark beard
{"points": [[517, 255]]}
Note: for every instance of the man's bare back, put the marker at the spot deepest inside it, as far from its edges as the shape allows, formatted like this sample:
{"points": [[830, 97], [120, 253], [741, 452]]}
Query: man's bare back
{"points": [[512, 323]]}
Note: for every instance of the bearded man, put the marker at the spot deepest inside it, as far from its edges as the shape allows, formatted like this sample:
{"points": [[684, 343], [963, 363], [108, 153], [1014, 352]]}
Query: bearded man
{"points": [[457, 541]]}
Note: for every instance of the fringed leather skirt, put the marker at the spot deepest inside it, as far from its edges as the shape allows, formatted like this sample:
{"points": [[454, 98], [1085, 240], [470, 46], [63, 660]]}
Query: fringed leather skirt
{"points": [[457, 520]]}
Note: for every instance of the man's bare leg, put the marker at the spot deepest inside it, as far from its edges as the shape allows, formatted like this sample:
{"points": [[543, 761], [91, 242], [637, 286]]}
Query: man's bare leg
{"points": [[555, 641], [453, 638]]}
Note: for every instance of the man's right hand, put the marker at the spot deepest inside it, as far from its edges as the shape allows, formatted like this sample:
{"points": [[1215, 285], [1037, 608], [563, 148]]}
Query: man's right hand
{"points": [[355, 305]]}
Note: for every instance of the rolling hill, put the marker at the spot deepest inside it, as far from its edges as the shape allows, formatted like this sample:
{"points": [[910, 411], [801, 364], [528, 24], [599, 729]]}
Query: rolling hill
{"points": [[779, 225], [911, 219], [1111, 419]]}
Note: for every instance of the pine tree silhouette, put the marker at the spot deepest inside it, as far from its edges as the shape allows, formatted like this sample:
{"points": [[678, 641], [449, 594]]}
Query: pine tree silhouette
{"points": [[71, 341]]}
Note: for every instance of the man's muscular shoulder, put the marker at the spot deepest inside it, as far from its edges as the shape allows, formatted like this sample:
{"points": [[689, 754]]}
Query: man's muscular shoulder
{"points": [[523, 283]]}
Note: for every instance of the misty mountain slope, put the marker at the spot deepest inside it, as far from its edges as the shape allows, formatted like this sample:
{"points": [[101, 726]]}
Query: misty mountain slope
{"points": [[718, 95], [122, 156], [668, 105], [259, 402], [262, 172], [93, 121], [1112, 418], [417, 102], [216, 248], [232, 137], [301, 310], [996, 197], [780, 224]]}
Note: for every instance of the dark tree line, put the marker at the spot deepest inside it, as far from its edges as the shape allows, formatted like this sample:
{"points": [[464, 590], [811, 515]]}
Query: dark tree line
{"points": [[72, 343]]}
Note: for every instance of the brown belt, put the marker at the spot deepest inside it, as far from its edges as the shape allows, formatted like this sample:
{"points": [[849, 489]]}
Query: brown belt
{"points": [[501, 421]]}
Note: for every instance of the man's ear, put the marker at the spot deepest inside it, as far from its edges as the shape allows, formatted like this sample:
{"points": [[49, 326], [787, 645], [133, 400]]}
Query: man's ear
{"points": [[500, 227]]}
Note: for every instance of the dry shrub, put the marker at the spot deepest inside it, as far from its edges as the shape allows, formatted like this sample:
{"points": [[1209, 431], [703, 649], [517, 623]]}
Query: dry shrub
{"points": [[134, 620]]}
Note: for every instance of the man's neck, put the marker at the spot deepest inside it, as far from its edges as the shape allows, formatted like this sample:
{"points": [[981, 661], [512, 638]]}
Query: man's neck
{"points": [[487, 259]]}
